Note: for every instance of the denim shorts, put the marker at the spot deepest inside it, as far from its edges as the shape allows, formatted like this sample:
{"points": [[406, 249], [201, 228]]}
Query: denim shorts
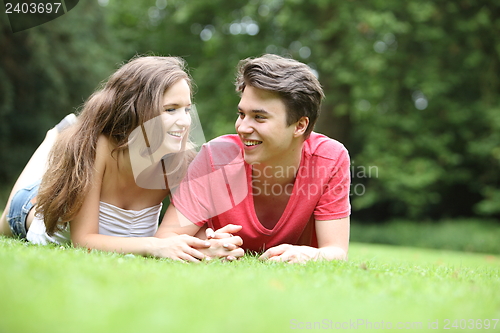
{"points": [[20, 206]]}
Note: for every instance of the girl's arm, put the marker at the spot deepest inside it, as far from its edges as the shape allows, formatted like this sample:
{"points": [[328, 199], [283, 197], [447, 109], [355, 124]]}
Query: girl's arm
{"points": [[85, 227]]}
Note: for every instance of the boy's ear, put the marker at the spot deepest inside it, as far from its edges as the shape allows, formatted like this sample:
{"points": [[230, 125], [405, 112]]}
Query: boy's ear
{"points": [[301, 126]]}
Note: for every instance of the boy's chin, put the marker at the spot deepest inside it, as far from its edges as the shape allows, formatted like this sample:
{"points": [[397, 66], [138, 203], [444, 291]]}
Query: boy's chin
{"points": [[251, 160]]}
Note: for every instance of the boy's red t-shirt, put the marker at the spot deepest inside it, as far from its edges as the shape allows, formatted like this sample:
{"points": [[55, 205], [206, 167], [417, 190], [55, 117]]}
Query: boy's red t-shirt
{"points": [[218, 190]]}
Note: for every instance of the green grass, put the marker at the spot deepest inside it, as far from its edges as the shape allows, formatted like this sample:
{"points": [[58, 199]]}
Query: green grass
{"points": [[471, 235], [52, 289]]}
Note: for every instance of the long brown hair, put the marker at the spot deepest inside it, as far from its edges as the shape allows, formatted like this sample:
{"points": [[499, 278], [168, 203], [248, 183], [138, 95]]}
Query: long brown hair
{"points": [[130, 97]]}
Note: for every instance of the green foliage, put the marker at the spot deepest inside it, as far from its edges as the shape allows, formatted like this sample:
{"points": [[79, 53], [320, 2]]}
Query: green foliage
{"points": [[438, 159], [45, 73], [69, 290]]}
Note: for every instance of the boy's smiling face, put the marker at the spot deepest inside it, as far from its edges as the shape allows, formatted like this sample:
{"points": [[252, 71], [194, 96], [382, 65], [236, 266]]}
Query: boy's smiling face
{"points": [[262, 127]]}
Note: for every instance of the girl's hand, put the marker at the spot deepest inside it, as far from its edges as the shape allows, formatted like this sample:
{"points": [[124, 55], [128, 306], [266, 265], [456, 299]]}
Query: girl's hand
{"points": [[181, 248], [224, 244], [228, 248]]}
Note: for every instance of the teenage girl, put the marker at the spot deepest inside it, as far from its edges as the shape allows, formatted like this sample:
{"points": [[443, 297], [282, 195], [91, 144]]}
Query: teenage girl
{"points": [[84, 184]]}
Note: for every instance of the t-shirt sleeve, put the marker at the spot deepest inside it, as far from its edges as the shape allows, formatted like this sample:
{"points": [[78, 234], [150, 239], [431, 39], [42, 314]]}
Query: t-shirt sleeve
{"points": [[190, 197], [334, 202], [214, 183]]}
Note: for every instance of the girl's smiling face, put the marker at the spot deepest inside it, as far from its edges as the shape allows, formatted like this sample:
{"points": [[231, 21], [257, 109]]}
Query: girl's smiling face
{"points": [[176, 119]]}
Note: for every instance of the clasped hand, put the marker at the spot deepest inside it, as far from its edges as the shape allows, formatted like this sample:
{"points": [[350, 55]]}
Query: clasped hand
{"points": [[218, 244], [223, 244]]}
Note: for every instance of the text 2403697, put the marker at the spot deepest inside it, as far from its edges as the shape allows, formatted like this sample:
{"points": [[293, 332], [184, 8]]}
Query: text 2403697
{"points": [[32, 8]]}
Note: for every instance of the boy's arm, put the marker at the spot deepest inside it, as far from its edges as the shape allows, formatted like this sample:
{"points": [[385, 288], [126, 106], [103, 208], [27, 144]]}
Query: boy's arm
{"points": [[333, 238], [333, 244], [175, 223]]}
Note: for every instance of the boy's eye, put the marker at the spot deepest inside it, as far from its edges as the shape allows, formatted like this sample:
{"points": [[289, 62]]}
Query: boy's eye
{"points": [[240, 114]]}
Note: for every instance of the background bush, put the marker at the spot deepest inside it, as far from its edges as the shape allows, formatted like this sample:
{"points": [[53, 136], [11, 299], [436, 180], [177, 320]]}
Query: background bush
{"points": [[412, 86]]}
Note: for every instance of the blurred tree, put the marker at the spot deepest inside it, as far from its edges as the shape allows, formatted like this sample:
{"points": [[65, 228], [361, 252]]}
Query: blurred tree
{"points": [[412, 87], [45, 73]]}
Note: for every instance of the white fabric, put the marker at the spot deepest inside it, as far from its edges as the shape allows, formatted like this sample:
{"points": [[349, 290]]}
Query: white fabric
{"points": [[37, 235], [113, 221]]}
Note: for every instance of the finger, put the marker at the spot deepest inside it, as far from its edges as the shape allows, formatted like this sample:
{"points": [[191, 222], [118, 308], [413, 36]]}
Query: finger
{"points": [[231, 258], [221, 235], [196, 242], [183, 257], [210, 233], [229, 246], [265, 256], [238, 253], [187, 258], [274, 251], [192, 253], [298, 260], [230, 229], [276, 259], [179, 260], [236, 240], [294, 259]]}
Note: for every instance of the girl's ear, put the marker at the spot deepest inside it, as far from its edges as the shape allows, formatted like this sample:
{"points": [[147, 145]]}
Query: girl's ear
{"points": [[301, 126]]}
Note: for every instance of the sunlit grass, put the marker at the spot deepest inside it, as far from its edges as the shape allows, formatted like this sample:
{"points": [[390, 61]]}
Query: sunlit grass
{"points": [[55, 289]]}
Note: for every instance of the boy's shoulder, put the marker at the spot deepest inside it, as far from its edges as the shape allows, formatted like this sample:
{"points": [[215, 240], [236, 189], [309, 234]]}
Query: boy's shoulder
{"points": [[223, 150], [320, 145], [227, 138]]}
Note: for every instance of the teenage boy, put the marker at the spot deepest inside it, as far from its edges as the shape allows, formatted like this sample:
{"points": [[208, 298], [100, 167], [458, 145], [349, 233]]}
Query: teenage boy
{"points": [[283, 185]]}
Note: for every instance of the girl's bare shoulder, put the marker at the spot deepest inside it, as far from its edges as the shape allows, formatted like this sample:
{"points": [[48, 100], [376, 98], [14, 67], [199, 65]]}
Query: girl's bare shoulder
{"points": [[104, 149]]}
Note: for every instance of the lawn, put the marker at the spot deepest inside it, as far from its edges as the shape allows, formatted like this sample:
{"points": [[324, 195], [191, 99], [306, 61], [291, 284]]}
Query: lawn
{"points": [[51, 289]]}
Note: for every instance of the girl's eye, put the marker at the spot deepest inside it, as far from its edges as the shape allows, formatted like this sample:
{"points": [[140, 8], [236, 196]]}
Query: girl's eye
{"points": [[172, 110], [260, 117], [240, 114]]}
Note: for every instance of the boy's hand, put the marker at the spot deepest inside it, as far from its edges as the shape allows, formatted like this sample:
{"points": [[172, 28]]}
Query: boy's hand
{"points": [[228, 248], [224, 232], [290, 253]]}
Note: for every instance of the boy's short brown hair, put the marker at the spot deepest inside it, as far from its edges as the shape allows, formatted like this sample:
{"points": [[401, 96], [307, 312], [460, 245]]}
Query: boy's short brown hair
{"points": [[292, 80]]}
